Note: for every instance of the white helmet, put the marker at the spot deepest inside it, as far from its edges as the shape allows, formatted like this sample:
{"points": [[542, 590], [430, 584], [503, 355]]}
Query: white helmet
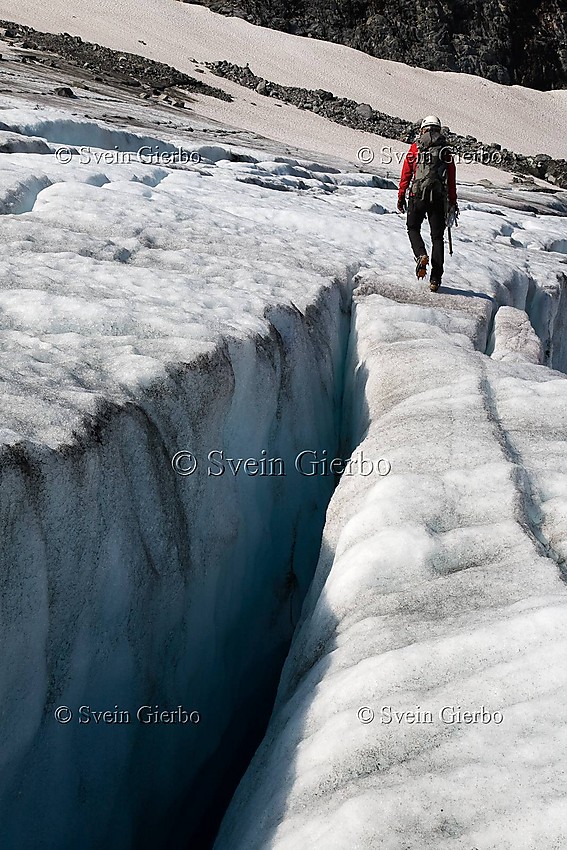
{"points": [[431, 121]]}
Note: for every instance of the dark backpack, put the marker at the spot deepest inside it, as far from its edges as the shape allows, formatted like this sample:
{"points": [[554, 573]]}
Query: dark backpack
{"points": [[430, 176]]}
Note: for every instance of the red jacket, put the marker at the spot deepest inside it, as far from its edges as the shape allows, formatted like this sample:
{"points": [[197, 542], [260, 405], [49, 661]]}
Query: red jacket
{"points": [[408, 170]]}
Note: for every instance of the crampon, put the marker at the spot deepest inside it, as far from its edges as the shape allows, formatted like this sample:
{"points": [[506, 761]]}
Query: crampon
{"points": [[421, 266]]}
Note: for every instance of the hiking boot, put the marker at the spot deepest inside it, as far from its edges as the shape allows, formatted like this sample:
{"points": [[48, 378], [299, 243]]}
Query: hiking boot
{"points": [[434, 284], [421, 266]]}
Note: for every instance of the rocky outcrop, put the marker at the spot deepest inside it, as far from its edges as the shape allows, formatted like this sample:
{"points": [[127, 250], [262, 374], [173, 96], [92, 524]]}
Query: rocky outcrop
{"points": [[119, 67], [508, 41], [361, 116]]}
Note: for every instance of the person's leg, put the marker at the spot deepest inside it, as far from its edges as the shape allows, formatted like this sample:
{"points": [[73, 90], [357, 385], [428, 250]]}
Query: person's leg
{"points": [[414, 220], [436, 218]]}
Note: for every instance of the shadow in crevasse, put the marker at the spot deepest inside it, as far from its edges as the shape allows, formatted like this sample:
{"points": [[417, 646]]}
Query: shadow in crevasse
{"points": [[468, 293], [307, 663], [306, 667]]}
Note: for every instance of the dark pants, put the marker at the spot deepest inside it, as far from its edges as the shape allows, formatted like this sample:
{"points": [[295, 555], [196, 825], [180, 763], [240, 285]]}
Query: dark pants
{"points": [[435, 212]]}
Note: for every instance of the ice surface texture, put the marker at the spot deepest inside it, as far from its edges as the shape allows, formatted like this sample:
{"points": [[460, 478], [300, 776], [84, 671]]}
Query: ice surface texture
{"points": [[148, 309], [440, 585]]}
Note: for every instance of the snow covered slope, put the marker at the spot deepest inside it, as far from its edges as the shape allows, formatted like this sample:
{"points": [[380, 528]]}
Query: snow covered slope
{"points": [[521, 119], [202, 305]]}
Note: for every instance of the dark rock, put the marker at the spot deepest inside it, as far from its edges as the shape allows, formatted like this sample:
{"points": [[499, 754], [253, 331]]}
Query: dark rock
{"points": [[364, 110], [64, 91]]}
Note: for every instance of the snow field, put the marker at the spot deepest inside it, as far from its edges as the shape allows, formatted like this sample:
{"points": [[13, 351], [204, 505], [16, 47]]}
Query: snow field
{"points": [[186, 35]]}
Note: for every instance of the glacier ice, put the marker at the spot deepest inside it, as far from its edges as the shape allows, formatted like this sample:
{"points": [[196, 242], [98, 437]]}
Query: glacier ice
{"points": [[422, 702], [150, 309]]}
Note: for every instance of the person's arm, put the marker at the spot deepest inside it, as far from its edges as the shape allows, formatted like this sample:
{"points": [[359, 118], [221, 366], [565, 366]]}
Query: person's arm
{"points": [[407, 169], [407, 173]]}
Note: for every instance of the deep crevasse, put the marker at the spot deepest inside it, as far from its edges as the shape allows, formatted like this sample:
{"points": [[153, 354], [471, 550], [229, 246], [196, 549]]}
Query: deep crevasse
{"points": [[130, 585], [438, 586], [126, 585], [128, 335]]}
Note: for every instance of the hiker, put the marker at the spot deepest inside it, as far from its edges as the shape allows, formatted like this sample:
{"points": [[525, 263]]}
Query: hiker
{"points": [[429, 172]]}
